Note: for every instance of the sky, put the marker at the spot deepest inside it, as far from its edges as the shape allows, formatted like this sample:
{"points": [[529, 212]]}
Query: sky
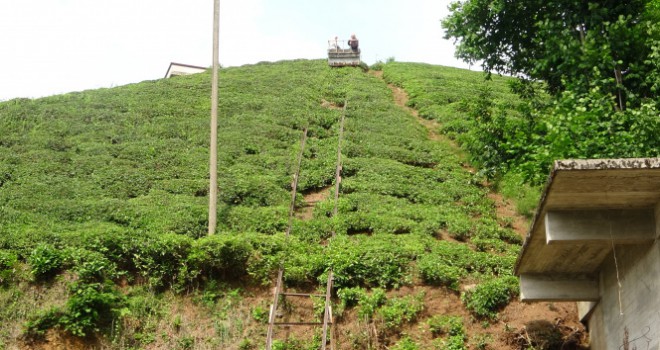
{"points": [[50, 47]]}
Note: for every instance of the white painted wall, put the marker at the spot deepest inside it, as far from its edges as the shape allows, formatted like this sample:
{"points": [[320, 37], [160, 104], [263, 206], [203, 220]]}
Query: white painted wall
{"points": [[635, 306]]}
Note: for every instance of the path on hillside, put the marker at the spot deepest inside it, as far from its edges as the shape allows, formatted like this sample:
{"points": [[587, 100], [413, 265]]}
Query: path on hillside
{"points": [[532, 315], [505, 209], [401, 99]]}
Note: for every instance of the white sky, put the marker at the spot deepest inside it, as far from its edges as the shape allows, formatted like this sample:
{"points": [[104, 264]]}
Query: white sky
{"points": [[55, 46]]}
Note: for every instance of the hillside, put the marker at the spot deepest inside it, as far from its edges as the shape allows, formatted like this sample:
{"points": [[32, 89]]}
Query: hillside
{"points": [[103, 198]]}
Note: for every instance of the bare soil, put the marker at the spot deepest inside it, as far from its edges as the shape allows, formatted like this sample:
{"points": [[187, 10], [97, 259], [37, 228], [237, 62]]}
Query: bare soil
{"points": [[311, 198]]}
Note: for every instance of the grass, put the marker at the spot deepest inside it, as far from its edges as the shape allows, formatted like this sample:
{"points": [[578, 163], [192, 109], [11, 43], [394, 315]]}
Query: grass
{"points": [[121, 173]]}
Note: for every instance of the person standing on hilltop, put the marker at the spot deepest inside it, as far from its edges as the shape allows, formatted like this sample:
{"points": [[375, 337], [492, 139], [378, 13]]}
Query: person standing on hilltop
{"points": [[353, 42]]}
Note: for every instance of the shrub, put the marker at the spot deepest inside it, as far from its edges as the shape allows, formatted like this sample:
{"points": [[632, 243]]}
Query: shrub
{"points": [[440, 325], [91, 266], [160, 258], [405, 344], [362, 261], [370, 302], [488, 297], [434, 271], [8, 261], [398, 311], [267, 257], [454, 342], [220, 256], [90, 307], [350, 296], [37, 327], [378, 66], [45, 261], [268, 220]]}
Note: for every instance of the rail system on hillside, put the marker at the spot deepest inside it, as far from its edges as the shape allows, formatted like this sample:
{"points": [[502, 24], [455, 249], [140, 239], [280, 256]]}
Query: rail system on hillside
{"points": [[279, 292]]}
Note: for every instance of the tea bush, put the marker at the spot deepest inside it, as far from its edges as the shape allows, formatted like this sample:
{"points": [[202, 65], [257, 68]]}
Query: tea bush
{"points": [[46, 261], [436, 272], [361, 261], [90, 307], [398, 311], [405, 344], [368, 302], [111, 184], [509, 126], [8, 261], [440, 325], [487, 298]]}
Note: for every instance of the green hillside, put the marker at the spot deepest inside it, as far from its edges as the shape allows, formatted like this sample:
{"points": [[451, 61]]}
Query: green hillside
{"points": [[103, 213]]}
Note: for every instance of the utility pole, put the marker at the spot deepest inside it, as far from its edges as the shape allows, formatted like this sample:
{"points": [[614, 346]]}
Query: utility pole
{"points": [[213, 168]]}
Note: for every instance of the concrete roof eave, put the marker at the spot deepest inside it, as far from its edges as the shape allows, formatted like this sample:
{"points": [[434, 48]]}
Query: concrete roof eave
{"points": [[586, 199]]}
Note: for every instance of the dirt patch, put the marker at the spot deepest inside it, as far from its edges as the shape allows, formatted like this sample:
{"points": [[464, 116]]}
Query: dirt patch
{"points": [[515, 321], [507, 211], [306, 212], [401, 99], [58, 340], [330, 105]]}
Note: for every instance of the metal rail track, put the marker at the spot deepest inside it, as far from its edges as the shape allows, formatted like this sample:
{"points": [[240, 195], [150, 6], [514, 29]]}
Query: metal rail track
{"points": [[279, 293]]}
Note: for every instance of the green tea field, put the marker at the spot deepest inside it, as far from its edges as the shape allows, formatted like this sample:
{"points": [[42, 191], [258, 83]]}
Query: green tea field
{"points": [[104, 209]]}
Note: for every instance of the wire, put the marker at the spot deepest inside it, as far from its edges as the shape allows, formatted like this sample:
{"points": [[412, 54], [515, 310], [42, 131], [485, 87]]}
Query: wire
{"points": [[616, 266]]}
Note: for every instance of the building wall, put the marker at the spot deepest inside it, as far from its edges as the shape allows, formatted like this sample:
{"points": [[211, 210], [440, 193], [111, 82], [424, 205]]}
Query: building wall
{"points": [[637, 310]]}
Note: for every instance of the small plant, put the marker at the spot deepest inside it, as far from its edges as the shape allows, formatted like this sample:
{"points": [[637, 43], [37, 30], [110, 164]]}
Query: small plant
{"points": [[8, 262], [441, 325], [437, 272], [37, 327], [45, 261], [405, 344], [481, 341], [370, 302], [398, 311], [485, 299], [177, 323], [260, 314], [350, 296], [378, 66], [90, 307], [455, 342], [245, 344], [186, 343], [296, 344]]}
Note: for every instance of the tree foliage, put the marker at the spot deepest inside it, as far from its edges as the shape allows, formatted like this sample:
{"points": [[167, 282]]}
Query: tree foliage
{"points": [[600, 62], [566, 43]]}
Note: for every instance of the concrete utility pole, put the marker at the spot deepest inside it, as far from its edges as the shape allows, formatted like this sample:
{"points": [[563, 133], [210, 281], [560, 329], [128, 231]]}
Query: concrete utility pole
{"points": [[213, 187]]}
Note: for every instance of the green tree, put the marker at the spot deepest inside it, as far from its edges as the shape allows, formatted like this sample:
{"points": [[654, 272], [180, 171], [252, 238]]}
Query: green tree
{"points": [[569, 44]]}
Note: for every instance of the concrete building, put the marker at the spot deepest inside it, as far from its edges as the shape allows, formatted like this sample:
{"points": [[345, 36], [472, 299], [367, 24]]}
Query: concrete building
{"points": [[594, 240], [176, 69]]}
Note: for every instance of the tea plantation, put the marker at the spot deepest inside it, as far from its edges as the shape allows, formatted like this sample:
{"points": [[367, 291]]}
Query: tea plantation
{"points": [[103, 212]]}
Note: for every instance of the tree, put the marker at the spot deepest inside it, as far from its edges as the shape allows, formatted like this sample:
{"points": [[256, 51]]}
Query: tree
{"points": [[565, 43], [599, 60]]}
